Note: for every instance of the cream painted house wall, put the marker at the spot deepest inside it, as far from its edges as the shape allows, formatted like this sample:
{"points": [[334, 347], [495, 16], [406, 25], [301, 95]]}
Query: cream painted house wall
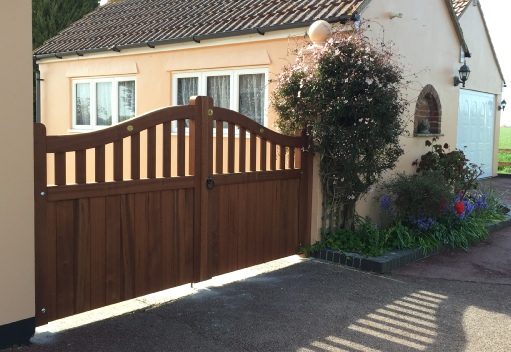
{"points": [[426, 39], [16, 159]]}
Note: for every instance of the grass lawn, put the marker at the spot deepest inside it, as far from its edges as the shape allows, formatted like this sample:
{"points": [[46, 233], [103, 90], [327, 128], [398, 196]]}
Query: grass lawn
{"points": [[505, 143]]}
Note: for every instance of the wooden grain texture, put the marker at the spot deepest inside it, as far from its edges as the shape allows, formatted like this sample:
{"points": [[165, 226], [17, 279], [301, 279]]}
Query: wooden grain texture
{"points": [[273, 156], [113, 250], [98, 252], [43, 250], [108, 241], [151, 152], [219, 150], [231, 147], [60, 168], [181, 130], [127, 247], [242, 150], [167, 149], [82, 257], [118, 160], [99, 163], [80, 167], [253, 152], [65, 259], [135, 156]]}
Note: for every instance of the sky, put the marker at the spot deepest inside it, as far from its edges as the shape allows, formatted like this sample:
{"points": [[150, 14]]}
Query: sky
{"points": [[496, 13]]}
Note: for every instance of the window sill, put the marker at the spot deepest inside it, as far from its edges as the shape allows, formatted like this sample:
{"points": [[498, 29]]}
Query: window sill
{"points": [[428, 135]]}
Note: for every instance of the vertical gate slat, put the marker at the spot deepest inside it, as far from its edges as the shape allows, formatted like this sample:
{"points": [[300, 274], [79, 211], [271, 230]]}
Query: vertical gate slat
{"points": [[60, 169], [253, 152], [230, 148], [251, 223], [82, 258], [113, 250], [135, 156], [167, 151], [51, 305], [241, 223], [181, 128], [99, 163], [282, 157], [168, 244], [118, 160], [151, 152], [262, 157], [80, 167], [65, 259], [127, 246], [155, 242], [141, 245], [242, 149], [273, 156], [186, 238], [44, 278], [98, 251], [291, 158], [219, 158]]}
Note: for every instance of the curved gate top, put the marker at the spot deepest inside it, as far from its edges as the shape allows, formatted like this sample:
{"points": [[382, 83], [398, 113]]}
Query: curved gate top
{"points": [[175, 196]]}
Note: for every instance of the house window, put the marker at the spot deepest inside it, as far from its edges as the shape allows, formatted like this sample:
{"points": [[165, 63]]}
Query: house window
{"points": [[242, 90], [428, 107], [101, 102]]}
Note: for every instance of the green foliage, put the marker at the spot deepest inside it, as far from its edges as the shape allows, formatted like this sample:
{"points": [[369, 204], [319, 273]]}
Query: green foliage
{"points": [[49, 17], [417, 195], [446, 227], [505, 143], [457, 171], [348, 96]]}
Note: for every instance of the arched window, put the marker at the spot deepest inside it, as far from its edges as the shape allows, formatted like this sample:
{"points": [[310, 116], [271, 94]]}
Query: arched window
{"points": [[428, 107]]}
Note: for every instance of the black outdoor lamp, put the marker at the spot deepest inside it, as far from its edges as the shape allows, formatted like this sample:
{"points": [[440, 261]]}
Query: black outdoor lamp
{"points": [[502, 105], [464, 73]]}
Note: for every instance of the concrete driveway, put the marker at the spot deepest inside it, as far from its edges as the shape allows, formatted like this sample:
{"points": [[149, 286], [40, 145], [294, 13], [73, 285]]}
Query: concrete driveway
{"points": [[306, 305]]}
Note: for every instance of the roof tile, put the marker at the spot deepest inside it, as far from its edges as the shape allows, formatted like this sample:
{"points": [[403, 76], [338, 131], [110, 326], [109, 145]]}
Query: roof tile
{"points": [[139, 21]]}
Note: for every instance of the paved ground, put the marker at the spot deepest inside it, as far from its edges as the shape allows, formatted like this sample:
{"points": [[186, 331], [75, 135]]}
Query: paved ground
{"points": [[453, 301]]}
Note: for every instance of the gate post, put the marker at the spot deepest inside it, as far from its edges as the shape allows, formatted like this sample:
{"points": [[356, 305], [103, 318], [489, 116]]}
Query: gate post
{"points": [[201, 137], [305, 196], [40, 220]]}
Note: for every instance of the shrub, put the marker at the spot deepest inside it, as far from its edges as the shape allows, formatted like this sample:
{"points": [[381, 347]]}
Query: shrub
{"points": [[417, 196], [454, 167], [348, 96]]}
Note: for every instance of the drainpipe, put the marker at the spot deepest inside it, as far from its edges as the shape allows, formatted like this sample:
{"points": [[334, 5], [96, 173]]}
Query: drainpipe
{"points": [[37, 83]]}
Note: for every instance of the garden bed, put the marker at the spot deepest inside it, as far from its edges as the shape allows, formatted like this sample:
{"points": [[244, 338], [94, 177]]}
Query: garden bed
{"points": [[389, 261]]}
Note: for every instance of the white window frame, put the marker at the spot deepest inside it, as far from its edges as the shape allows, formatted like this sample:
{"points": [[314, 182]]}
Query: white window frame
{"points": [[234, 74], [92, 91]]}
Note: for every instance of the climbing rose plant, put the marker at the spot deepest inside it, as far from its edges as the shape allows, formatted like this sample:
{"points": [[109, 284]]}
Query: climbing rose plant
{"points": [[347, 95]]}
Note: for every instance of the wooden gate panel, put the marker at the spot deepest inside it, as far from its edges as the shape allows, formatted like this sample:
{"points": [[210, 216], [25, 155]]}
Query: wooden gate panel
{"points": [[98, 252], [105, 241], [113, 247]]}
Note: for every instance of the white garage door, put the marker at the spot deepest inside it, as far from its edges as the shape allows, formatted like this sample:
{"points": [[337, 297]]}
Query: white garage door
{"points": [[476, 121]]}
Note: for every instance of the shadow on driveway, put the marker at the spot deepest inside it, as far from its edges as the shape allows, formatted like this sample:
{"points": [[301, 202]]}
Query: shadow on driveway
{"points": [[309, 306]]}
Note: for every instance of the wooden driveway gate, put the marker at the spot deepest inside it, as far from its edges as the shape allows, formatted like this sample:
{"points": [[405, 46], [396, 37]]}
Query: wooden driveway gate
{"points": [[111, 226]]}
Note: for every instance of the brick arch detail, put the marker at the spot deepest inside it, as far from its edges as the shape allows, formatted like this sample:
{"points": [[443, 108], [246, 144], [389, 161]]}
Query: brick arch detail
{"points": [[428, 106]]}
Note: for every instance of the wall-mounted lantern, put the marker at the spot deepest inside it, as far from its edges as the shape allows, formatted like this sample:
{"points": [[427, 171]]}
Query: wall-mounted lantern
{"points": [[464, 73], [502, 105]]}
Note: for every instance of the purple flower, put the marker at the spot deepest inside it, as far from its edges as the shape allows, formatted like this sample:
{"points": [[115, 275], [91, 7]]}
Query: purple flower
{"points": [[386, 204]]}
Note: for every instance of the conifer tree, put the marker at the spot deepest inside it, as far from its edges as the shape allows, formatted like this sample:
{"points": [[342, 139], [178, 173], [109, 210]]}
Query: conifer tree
{"points": [[49, 17]]}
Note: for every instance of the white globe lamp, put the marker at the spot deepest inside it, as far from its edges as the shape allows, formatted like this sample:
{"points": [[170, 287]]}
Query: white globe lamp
{"points": [[319, 32]]}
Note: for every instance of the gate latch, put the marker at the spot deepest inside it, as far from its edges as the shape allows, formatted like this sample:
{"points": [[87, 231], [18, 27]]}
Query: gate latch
{"points": [[210, 184]]}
